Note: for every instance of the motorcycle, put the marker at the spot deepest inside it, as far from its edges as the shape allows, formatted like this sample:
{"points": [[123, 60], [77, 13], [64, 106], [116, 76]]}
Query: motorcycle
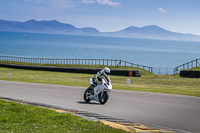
{"points": [[100, 93]]}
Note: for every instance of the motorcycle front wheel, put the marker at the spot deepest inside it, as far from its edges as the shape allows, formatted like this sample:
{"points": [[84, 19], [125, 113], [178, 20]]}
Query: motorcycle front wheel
{"points": [[85, 97], [103, 98]]}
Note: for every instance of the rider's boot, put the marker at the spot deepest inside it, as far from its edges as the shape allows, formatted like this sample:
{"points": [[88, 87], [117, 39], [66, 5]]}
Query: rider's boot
{"points": [[92, 88]]}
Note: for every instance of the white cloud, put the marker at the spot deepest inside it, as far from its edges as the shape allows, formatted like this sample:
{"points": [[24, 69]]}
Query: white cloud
{"points": [[102, 2], [88, 1], [108, 2], [161, 10]]}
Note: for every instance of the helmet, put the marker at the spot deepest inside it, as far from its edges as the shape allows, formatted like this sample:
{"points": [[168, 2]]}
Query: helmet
{"points": [[106, 70]]}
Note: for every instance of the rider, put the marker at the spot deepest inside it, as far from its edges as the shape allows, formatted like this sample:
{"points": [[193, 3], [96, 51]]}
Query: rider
{"points": [[103, 74]]}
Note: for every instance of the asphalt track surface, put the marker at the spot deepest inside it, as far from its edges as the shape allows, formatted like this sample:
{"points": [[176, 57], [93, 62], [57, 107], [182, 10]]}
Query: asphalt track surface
{"points": [[173, 111]]}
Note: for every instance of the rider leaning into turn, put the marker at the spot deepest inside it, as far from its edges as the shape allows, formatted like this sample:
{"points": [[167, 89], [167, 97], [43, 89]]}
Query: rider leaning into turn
{"points": [[103, 74]]}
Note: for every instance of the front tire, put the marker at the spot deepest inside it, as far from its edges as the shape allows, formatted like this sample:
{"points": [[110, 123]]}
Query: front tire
{"points": [[104, 98], [85, 96]]}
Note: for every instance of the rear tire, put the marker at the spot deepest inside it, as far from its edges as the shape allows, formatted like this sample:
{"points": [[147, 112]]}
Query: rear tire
{"points": [[85, 97], [104, 98]]}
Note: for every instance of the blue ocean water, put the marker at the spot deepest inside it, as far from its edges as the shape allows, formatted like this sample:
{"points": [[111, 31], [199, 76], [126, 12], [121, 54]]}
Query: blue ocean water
{"points": [[156, 53]]}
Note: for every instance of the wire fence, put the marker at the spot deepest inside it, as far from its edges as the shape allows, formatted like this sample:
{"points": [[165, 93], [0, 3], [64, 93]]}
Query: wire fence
{"points": [[104, 62], [163, 71]]}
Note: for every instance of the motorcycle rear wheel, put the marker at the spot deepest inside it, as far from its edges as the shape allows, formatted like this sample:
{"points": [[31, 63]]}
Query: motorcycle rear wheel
{"points": [[103, 99]]}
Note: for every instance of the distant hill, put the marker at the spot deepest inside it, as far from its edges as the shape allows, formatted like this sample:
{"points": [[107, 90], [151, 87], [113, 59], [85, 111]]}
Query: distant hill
{"points": [[53, 26], [152, 32]]}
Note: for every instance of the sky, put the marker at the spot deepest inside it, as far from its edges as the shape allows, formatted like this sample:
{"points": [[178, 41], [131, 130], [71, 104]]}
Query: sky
{"points": [[181, 16]]}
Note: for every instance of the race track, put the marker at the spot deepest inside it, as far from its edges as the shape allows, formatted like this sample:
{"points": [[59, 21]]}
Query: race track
{"points": [[173, 111]]}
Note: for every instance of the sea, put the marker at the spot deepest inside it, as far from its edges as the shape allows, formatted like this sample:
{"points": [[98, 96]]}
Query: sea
{"points": [[161, 54]]}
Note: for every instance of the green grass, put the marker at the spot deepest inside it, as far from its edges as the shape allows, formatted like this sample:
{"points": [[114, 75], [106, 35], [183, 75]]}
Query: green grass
{"points": [[19, 118], [196, 69], [154, 83], [143, 72]]}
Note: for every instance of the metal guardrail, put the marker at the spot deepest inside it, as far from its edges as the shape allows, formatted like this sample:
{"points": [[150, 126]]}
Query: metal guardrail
{"points": [[188, 65], [104, 62]]}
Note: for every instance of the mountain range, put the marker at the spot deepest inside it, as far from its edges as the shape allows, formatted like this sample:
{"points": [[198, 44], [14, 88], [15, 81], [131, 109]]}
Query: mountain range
{"points": [[53, 26]]}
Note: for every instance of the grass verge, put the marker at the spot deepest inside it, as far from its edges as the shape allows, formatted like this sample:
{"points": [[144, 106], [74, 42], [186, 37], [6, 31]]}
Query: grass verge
{"points": [[19, 118], [195, 69], [158, 84]]}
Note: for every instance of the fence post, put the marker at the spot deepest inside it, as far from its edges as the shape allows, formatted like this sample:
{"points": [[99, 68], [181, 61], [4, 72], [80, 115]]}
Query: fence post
{"points": [[196, 62], [192, 64], [166, 71]]}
